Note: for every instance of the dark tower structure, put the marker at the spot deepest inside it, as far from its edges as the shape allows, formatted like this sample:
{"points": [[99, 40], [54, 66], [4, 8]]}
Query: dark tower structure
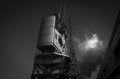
{"points": [[111, 66], [56, 57], [73, 71]]}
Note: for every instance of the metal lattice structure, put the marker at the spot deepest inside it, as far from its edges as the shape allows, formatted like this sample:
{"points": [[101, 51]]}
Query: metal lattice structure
{"points": [[56, 56]]}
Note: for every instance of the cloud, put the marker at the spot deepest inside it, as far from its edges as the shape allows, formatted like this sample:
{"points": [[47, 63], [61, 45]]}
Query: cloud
{"points": [[91, 43], [89, 53]]}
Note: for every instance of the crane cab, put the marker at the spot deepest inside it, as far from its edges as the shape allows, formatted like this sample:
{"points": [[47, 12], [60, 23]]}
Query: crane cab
{"points": [[52, 36]]}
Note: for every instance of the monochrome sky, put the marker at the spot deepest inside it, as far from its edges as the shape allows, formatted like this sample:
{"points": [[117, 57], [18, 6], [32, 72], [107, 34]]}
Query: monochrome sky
{"points": [[20, 23]]}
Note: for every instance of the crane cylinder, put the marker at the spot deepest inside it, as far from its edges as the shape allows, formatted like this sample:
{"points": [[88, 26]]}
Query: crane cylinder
{"points": [[50, 39]]}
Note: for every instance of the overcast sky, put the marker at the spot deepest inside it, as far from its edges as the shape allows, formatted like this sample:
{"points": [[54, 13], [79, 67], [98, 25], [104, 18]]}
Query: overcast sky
{"points": [[20, 23]]}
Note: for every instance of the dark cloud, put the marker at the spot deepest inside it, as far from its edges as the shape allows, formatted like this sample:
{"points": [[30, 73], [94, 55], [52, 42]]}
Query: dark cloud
{"points": [[89, 64]]}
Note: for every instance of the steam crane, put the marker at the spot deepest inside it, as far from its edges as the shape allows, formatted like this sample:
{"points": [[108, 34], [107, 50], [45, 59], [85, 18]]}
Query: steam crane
{"points": [[55, 58]]}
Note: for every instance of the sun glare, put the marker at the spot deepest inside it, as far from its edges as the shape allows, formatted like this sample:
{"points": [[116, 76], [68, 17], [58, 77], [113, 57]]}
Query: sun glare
{"points": [[92, 42]]}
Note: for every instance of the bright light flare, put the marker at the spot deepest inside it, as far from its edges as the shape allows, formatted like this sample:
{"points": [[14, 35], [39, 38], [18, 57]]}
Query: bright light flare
{"points": [[91, 43]]}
